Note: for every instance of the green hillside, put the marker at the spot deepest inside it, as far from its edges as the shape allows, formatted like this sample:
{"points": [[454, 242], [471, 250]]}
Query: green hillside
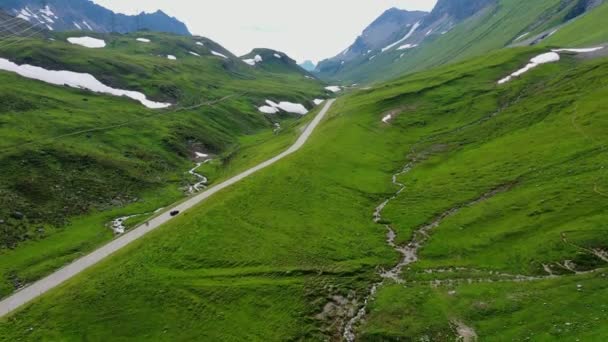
{"points": [[512, 176], [586, 30], [73, 161], [493, 28]]}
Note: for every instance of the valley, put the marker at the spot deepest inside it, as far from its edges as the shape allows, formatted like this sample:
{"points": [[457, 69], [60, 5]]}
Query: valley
{"points": [[453, 188]]}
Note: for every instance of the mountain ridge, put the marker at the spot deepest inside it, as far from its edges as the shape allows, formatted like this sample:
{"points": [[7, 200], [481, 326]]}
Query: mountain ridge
{"points": [[70, 15]]}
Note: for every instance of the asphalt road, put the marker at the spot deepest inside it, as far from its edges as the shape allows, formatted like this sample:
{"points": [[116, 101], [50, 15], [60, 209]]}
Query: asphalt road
{"points": [[60, 276]]}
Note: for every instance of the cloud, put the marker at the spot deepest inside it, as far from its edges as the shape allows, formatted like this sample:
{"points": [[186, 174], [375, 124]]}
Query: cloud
{"points": [[312, 29]]}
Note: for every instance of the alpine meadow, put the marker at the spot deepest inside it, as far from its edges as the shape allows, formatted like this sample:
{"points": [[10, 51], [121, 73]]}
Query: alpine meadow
{"points": [[443, 178]]}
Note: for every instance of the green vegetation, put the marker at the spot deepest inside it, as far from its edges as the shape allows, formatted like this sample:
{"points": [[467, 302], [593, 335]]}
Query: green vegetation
{"points": [[72, 161], [295, 244], [586, 30], [493, 28]]}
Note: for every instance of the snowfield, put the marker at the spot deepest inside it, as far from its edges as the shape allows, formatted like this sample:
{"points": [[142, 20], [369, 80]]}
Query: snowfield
{"points": [[333, 89], [143, 40], [289, 107], [92, 43], [75, 80], [219, 54], [548, 57], [171, 57]]}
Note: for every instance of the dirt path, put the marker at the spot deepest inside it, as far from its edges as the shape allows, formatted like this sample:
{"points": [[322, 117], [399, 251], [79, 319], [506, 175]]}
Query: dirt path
{"points": [[60, 276]]}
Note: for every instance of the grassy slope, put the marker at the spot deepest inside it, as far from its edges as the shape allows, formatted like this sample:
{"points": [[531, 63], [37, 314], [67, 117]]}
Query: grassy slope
{"points": [[70, 188], [586, 30], [280, 244], [491, 29]]}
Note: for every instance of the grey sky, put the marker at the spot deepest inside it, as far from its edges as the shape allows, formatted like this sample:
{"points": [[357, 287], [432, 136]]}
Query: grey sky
{"points": [[311, 29]]}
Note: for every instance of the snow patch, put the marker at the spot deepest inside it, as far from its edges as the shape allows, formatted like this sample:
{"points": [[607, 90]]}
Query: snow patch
{"points": [[253, 61], [289, 107], [582, 50], [47, 11], [522, 36], [387, 118], [268, 110], [143, 40], [333, 89], [548, 57], [372, 57], [194, 53], [87, 25], [171, 57], [200, 44], [219, 54], [92, 43], [407, 46], [409, 34], [318, 101], [77, 26], [278, 56], [75, 80]]}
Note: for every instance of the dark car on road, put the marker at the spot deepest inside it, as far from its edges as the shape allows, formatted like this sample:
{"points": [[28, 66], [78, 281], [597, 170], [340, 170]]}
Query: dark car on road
{"points": [[174, 213]]}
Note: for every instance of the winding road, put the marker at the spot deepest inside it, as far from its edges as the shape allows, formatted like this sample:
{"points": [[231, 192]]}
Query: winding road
{"points": [[60, 276]]}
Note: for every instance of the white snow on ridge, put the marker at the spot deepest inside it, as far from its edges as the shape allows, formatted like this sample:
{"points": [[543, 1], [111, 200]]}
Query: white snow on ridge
{"points": [[143, 40], [318, 101], [47, 11], [171, 57], [194, 53], [409, 34], [199, 43], [548, 57], [218, 54], [277, 55], [77, 26], [582, 50], [333, 89], [75, 80], [92, 43]]}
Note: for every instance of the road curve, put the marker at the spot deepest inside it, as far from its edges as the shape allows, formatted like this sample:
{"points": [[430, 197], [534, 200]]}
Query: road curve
{"points": [[58, 277]]}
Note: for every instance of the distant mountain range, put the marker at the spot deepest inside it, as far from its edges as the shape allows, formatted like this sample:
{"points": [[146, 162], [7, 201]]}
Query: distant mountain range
{"points": [[68, 15], [308, 65], [402, 41]]}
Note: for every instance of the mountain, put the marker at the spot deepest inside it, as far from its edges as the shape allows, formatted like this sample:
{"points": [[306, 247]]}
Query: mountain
{"points": [[308, 65], [111, 123], [273, 61], [455, 30], [13, 26], [71, 15], [439, 206], [389, 27]]}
